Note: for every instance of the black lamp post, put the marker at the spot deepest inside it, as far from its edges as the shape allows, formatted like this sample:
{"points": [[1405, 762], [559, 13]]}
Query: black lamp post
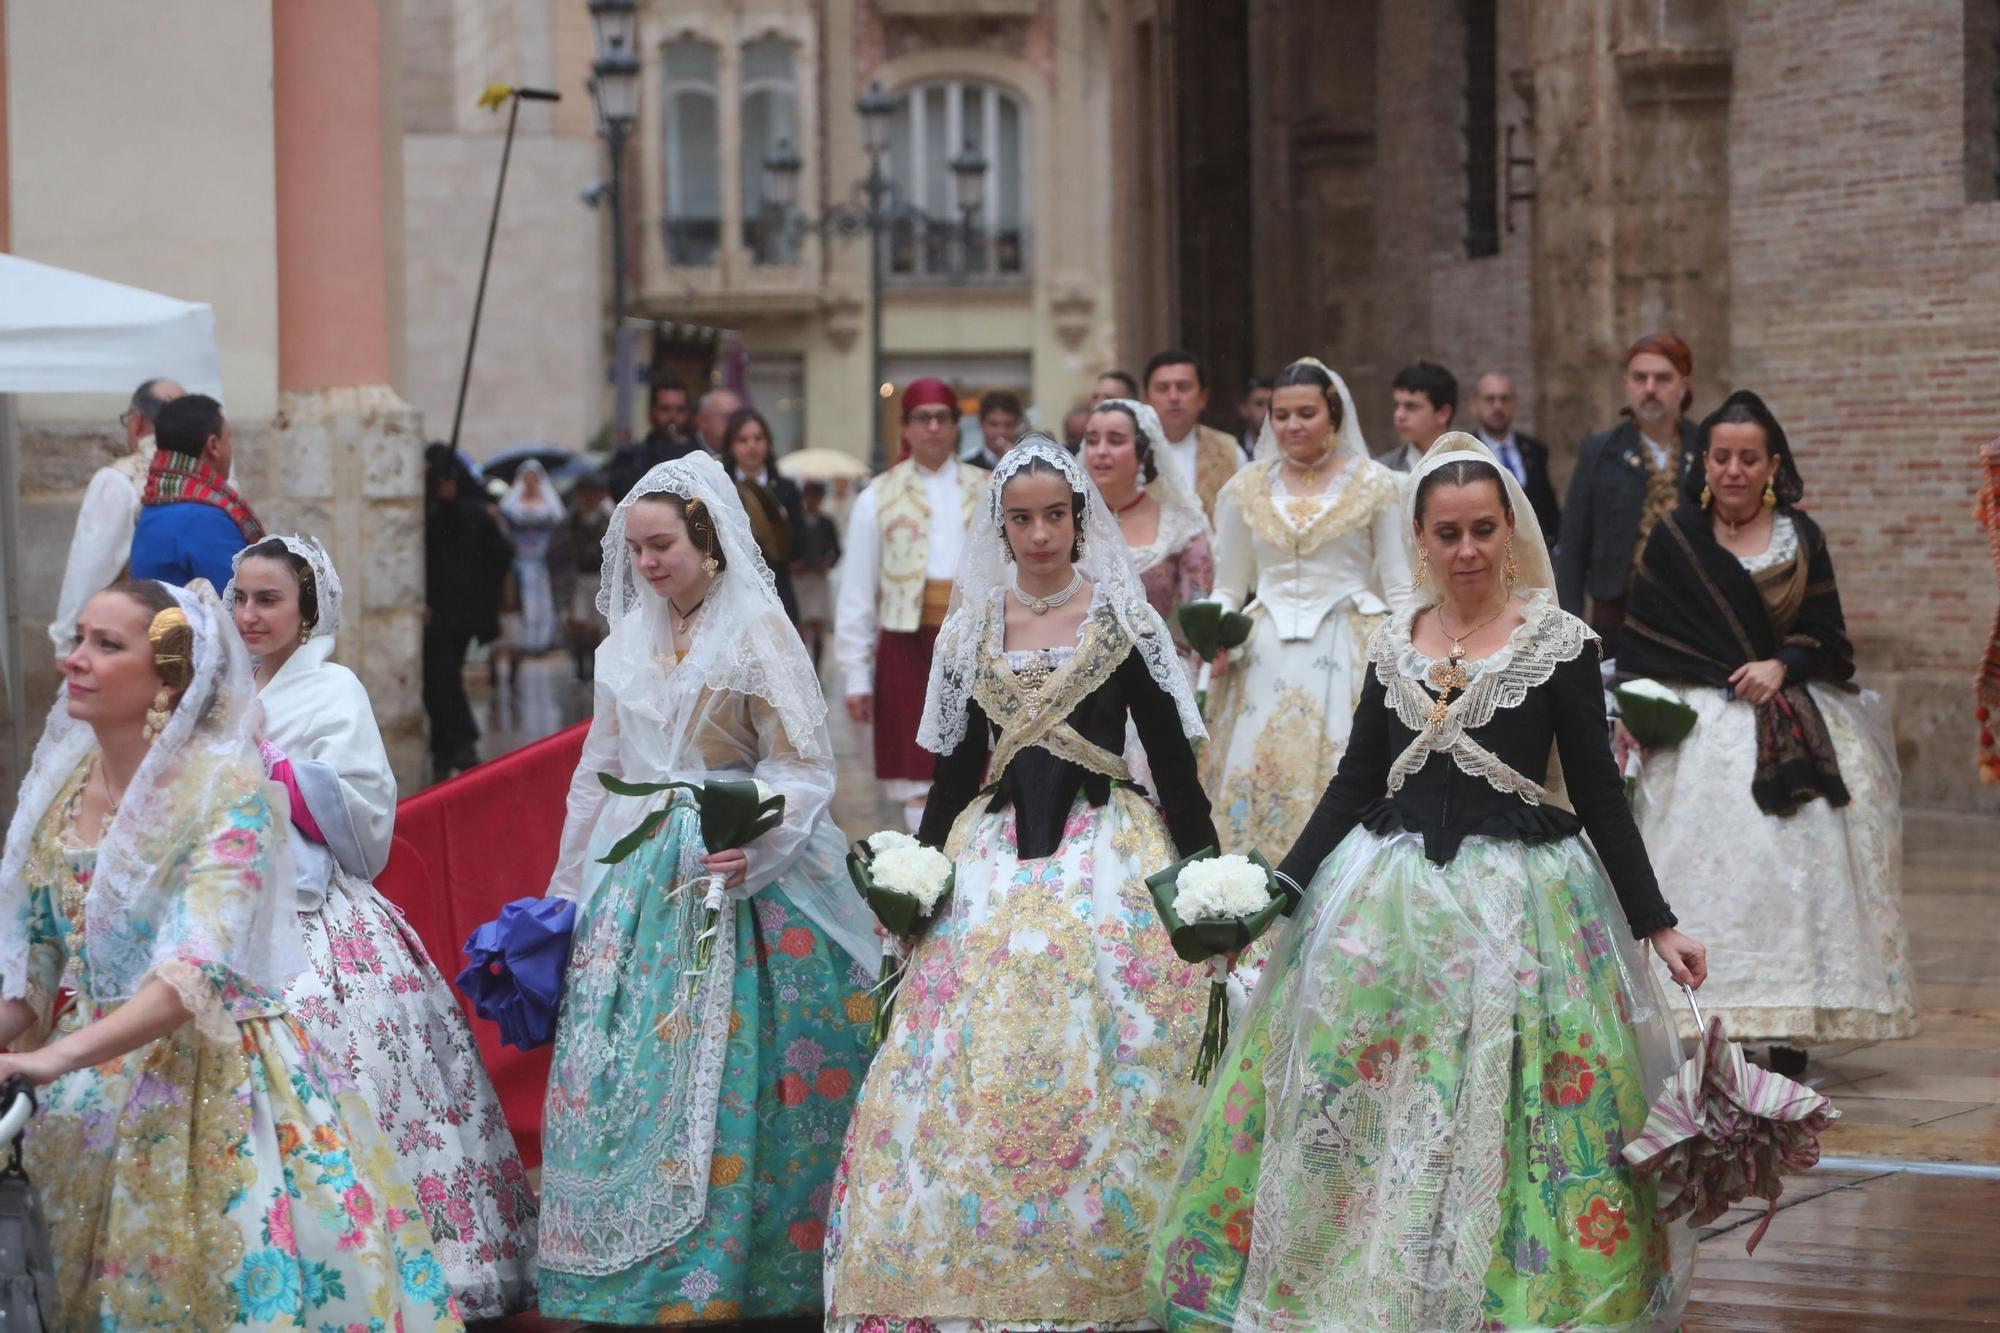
{"points": [[873, 210], [614, 87]]}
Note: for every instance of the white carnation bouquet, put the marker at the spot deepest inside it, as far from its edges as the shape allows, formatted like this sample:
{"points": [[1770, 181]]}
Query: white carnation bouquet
{"points": [[903, 882], [1215, 906]]}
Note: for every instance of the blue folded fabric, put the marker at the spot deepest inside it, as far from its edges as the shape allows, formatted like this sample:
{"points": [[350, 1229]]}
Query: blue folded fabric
{"points": [[514, 972]]}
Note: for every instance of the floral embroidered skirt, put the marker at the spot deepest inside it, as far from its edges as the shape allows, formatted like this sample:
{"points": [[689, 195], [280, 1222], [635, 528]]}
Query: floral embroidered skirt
{"points": [[375, 1000], [797, 1045], [1419, 1126], [1017, 1137], [1278, 724], [1818, 951], [204, 1184]]}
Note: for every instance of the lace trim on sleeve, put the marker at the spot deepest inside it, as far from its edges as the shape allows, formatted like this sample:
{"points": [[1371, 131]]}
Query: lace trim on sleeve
{"points": [[211, 1017], [1546, 638]]}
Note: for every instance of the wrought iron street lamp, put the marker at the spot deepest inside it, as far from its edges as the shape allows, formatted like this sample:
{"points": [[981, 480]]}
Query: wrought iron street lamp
{"points": [[873, 211], [614, 88]]}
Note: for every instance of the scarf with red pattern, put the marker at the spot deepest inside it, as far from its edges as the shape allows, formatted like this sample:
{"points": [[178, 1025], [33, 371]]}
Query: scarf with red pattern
{"points": [[177, 478]]}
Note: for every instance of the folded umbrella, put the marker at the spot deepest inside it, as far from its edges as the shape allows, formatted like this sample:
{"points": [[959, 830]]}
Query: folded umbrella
{"points": [[1725, 1130], [514, 969]]}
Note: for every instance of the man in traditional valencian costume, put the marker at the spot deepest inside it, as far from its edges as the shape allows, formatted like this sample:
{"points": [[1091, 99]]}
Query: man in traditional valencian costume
{"points": [[904, 538]]}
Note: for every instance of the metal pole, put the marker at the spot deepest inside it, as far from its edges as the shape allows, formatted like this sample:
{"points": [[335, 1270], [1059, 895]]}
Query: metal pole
{"points": [[621, 337], [485, 264], [877, 448]]}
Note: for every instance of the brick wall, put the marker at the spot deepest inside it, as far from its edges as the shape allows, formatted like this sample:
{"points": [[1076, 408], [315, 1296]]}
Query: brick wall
{"points": [[1867, 312]]}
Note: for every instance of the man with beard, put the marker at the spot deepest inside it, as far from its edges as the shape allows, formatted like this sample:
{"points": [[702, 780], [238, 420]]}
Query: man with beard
{"points": [[1626, 479]]}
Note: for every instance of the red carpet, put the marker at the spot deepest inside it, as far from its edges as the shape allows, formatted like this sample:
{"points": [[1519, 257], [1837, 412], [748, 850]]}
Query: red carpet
{"points": [[463, 849]]}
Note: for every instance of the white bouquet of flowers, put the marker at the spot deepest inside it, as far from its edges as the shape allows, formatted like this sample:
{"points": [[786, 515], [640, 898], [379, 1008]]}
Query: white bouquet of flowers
{"points": [[903, 881], [1215, 905]]}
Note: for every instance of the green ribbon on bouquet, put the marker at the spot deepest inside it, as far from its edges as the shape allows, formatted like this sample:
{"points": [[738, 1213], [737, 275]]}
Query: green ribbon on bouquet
{"points": [[902, 916], [1198, 941]]}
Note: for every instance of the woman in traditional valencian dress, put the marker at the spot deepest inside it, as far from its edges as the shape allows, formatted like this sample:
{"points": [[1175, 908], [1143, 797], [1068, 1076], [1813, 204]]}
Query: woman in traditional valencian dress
{"points": [[203, 1165], [1419, 1126], [532, 510], [1020, 1126], [695, 1115], [1311, 531], [1777, 820], [1158, 515], [372, 995]]}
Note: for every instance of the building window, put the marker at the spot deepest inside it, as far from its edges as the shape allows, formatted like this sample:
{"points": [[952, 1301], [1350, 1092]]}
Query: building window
{"points": [[1482, 127], [770, 113], [934, 124], [690, 102], [1982, 100]]}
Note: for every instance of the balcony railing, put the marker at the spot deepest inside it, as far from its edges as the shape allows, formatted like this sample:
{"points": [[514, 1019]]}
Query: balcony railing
{"points": [[923, 252], [692, 242]]}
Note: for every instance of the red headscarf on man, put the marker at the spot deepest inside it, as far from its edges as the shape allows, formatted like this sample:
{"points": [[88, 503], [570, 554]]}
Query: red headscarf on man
{"points": [[1669, 345]]}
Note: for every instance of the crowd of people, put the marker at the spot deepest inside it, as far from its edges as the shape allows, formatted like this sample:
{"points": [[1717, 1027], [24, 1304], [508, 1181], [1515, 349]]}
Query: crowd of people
{"points": [[1437, 1058]]}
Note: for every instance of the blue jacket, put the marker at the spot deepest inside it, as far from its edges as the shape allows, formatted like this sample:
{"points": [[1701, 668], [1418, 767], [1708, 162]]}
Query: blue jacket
{"points": [[179, 543]]}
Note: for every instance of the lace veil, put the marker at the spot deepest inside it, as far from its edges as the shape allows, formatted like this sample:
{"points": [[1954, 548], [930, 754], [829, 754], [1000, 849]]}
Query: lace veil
{"points": [[514, 505], [187, 790], [326, 581], [1531, 553], [1181, 515], [983, 569], [1348, 442]]}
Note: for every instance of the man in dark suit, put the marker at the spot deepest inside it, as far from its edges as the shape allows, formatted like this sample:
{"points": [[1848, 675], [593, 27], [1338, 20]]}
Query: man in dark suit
{"points": [[666, 441], [1627, 478], [1524, 455]]}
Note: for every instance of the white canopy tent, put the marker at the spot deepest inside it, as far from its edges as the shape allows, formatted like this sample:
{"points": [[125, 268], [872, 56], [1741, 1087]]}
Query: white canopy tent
{"points": [[64, 332]]}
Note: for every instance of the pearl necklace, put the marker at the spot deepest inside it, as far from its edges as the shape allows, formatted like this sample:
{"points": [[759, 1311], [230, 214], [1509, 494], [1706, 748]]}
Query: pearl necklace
{"points": [[1041, 606]]}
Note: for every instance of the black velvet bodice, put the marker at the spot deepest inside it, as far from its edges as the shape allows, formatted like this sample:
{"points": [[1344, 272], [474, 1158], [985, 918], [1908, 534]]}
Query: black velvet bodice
{"points": [[1042, 787], [1447, 805]]}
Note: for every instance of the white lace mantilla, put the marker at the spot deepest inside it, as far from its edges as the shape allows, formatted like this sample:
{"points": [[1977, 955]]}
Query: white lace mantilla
{"points": [[1546, 638]]}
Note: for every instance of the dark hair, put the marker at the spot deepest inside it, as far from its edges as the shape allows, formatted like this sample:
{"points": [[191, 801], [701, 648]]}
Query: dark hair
{"points": [[1000, 400], [663, 385], [813, 490], [273, 549], [1124, 377], [1149, 470], [1306, 373], [738, 419], [700, 524], [173, 655], [1174, 356], [146, 400], [185, 425], [1077, 503], [1463, 472], [1431, 380], [1744, 408], [1254, 383]]}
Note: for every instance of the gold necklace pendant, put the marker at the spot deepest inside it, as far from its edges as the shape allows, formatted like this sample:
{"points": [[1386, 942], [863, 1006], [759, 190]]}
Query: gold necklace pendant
{"points": [[1445, 677]]}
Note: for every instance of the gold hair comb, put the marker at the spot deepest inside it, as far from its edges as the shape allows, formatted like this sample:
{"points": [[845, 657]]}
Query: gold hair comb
{"points": [[165, 623]]}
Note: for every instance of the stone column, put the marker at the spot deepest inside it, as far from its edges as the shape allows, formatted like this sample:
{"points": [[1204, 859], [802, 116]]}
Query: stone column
{"points": [[343, 460]]}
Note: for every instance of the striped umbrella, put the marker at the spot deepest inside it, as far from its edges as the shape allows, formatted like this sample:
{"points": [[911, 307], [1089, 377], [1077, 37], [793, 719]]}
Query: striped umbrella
{"points": [[1725, 1130]]}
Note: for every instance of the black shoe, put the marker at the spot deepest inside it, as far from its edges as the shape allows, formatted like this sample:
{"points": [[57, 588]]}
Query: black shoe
{"points": [[1789, 1061]]}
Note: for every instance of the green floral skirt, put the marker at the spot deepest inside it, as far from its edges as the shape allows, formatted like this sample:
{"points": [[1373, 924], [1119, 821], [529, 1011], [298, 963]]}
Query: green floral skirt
{"points": [[797, 1029], [1419, 1125]]}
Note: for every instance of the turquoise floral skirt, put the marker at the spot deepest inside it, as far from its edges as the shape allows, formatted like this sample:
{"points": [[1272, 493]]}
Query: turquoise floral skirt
{"points": [[799, 1011]]}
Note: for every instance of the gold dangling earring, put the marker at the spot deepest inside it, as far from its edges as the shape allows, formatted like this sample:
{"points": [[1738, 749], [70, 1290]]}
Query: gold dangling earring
{"points": [[1423, 567], [709, 566], [1770, 494], [156, 716], [1706, 496], [1508, 569]]}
